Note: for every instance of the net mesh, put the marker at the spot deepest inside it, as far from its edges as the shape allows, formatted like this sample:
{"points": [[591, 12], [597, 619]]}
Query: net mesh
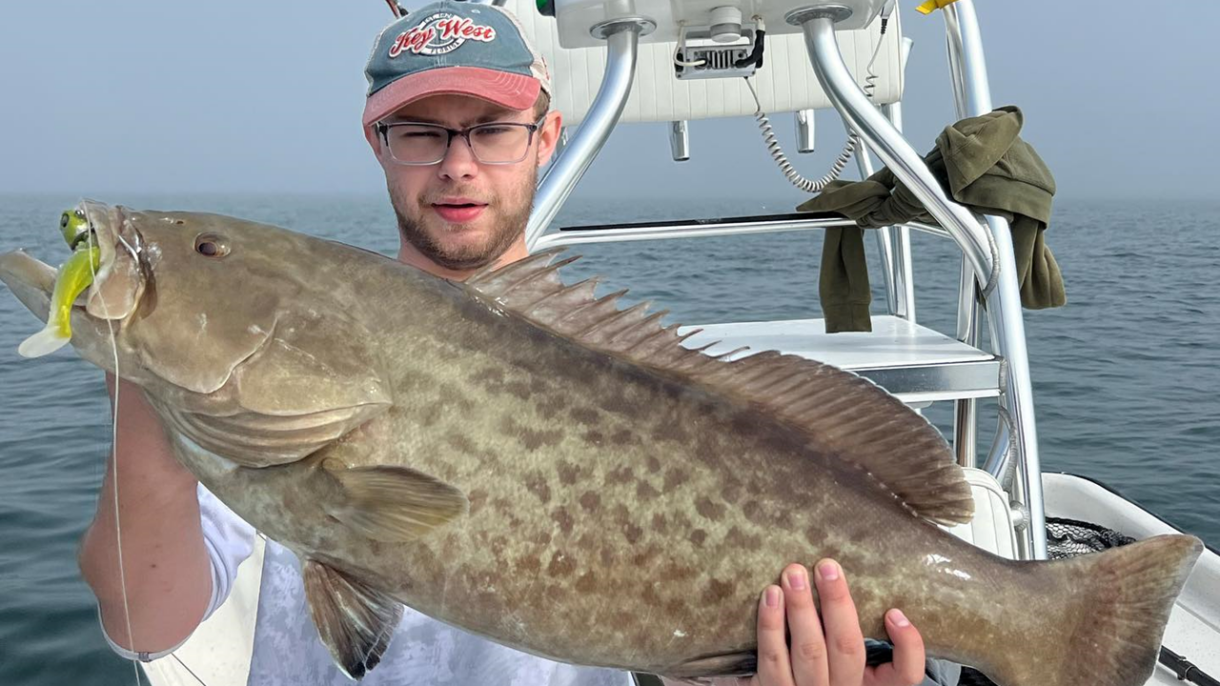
{"points": [[1070, 537]]}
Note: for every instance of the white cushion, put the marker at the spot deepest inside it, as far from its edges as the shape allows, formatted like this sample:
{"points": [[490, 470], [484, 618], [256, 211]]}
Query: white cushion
{"points": [[992, 527]]}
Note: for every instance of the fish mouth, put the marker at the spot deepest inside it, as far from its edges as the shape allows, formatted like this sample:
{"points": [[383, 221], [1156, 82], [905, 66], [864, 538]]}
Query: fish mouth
{"points": [[122, 268], [115, 284]]}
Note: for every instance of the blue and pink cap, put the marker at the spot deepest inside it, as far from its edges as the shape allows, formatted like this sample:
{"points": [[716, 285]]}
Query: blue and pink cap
{"points": [[456, 48]]}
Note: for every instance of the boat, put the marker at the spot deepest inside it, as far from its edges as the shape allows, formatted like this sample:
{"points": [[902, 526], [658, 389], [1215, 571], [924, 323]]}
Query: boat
{"points": [[673, 62]]}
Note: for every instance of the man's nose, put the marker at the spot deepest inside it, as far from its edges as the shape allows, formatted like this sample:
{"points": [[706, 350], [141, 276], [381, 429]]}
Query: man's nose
{"points": [[459, 161]]}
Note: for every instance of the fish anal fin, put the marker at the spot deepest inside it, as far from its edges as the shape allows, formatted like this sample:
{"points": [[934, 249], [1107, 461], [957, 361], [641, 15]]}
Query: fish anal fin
{"points": [[354, 621], [393, 503], [843, 414], [700, 669]]}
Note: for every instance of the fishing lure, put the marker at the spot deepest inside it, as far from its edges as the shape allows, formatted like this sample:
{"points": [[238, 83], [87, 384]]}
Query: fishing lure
{"points": [[75, 275], [932, 5]]}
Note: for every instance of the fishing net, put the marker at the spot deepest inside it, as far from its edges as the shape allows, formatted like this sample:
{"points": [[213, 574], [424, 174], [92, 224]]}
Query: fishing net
{"points": [[1070, 537], [1064, 538]]}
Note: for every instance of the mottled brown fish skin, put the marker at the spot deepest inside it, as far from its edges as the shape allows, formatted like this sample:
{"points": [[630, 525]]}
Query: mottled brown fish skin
{"points": [[617, 515]]}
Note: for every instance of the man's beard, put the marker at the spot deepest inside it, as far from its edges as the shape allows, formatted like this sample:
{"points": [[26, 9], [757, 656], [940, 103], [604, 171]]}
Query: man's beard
{"points": [[504, 232]]}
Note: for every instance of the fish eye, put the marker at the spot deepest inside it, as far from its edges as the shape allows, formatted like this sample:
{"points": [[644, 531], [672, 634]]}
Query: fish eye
{"points": [[211, 245], [63, 220]]}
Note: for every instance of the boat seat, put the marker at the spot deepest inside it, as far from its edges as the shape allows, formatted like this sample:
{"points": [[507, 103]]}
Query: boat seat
{"points": [[915, 363], [992, 527], [786, 82]]}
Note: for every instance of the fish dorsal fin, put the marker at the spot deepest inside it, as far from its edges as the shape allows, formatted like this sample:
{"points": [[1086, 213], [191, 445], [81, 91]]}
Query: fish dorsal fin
{"points": [[842, 413]]}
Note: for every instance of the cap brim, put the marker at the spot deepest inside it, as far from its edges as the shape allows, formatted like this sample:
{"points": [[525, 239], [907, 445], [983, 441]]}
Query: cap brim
{"points": [[514, 91]]}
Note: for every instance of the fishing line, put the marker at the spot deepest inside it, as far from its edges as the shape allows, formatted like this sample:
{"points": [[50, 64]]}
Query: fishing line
{"points": [[114, 443], [188, 669], [396, 8]]}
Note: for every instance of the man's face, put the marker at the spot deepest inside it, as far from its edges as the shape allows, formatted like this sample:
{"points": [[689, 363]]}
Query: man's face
{"points": [[460, 213]]}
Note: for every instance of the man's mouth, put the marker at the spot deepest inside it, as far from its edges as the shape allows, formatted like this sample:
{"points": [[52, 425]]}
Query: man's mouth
{"points": [[458, 210]]}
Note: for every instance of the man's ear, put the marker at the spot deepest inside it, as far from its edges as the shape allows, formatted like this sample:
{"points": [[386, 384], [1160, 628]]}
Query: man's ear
{"points": [[548, 136], [370, 135]]}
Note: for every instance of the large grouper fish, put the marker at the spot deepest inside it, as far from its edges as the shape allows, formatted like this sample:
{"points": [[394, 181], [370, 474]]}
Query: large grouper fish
{"points": [[529, 462]]}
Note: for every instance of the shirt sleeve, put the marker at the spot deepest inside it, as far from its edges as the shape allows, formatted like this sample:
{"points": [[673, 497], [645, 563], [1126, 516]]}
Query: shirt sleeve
{"points": [[229, 540], [936, 672], [942, 673]]}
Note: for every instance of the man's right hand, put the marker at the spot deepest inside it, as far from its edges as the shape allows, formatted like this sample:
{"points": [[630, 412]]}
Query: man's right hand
{"points": [[796, 647], [168, 581], [827, 650]]}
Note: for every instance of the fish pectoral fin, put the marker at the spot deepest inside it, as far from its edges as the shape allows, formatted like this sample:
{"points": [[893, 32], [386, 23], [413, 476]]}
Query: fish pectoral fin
{"points": [[392, 503], [354, 621]]}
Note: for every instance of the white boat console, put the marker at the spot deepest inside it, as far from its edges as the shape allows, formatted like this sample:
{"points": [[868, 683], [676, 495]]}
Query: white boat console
{"points": [[579, 20]]}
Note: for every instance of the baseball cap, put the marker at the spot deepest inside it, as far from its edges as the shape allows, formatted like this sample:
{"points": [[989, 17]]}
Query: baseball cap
{"points": [[458, 48]]}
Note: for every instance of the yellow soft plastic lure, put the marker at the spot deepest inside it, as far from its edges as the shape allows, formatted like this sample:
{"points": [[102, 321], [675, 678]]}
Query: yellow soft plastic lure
{"points": [[932, 5], [74, 226], [75, 275]]}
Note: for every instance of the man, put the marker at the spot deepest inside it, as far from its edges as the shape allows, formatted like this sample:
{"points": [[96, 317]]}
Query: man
{"points": [[457, 115]]}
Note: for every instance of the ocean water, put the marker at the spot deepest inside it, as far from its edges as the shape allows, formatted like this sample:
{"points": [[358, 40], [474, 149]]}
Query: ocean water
{"points": [[1124, 376]]}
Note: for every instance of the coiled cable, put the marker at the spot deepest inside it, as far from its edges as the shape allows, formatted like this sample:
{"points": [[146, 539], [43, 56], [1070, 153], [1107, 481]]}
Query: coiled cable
{"points": [[840, 163]]}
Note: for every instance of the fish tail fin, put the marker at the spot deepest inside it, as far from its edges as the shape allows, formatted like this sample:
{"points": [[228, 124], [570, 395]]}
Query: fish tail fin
{"points": [[1120, 601], [45, 342]]}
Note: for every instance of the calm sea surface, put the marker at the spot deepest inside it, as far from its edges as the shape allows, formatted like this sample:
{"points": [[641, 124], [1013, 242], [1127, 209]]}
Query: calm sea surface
{"points": [[1125, 376]]}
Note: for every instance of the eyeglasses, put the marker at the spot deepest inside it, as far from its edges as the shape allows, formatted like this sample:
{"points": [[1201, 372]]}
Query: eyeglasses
{"points": [[421, 145]]}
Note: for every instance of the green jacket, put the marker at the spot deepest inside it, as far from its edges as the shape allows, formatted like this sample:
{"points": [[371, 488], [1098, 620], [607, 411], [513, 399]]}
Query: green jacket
{"points": [[986, 166]]}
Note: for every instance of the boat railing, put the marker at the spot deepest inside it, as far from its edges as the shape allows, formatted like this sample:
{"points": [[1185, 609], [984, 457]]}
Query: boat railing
{"points": [[989, 289]]}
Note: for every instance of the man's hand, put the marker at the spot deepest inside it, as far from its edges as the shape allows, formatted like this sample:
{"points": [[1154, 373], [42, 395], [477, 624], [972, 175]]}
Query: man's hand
{"points": [[829, 652]]}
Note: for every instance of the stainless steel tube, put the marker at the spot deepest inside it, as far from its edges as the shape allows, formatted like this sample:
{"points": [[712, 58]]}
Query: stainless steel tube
{"points": [[998, 462], [622, 40], [889, 145], [805, 133], [557, 238], [965, 415], [656, 233], [900, 239], [679, 140], [967, 65], [1006, 321], [901, 235], [956, 76], [965, 410]]}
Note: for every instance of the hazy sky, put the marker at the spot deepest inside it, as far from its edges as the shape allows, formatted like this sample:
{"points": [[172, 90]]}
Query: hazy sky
{"points": [[135, 96]]}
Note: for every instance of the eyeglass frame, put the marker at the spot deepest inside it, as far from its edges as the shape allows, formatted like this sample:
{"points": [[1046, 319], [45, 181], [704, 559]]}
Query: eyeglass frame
{"points": [[383, 131]]}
